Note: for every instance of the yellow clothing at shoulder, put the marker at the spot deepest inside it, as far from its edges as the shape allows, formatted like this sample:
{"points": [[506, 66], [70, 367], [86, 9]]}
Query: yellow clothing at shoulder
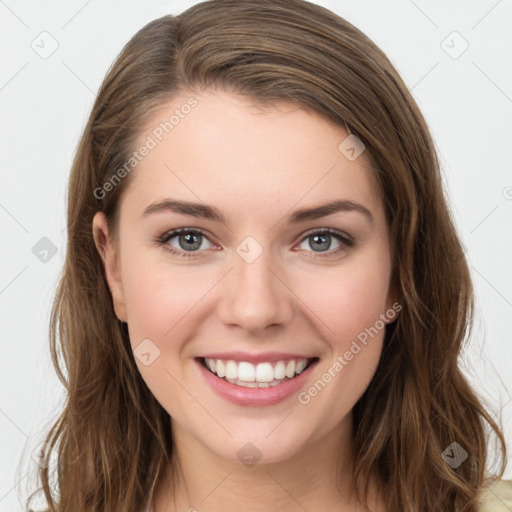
{"points": [[497, 497]]}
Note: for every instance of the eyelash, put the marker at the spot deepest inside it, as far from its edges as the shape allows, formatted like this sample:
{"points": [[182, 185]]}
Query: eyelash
{"points": [[340, 236]]}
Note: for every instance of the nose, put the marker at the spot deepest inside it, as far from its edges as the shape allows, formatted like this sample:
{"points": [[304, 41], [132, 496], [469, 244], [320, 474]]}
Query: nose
{"points": [[255, 296]]}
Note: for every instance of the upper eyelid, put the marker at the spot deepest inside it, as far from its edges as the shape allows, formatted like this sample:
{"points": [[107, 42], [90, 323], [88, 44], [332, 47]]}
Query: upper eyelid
{"points": [[331, 231], [175, 232]]}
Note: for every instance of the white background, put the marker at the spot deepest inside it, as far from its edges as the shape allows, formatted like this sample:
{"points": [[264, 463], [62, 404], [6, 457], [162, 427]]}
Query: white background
{"points": [[467, 102]]}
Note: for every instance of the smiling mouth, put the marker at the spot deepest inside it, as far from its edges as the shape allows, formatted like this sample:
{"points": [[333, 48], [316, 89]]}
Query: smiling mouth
{"points": [[261, 375]]}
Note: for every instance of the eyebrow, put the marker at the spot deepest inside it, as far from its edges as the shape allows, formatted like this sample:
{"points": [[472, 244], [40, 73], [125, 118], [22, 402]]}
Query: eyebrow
{"points": [[205, 211]]}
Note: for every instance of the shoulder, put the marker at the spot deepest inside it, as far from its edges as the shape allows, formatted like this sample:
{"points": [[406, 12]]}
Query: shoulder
{"points": [[497, 497]]}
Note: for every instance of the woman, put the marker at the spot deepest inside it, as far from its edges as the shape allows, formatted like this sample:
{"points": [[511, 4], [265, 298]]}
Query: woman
{"points": [[264, 296]]}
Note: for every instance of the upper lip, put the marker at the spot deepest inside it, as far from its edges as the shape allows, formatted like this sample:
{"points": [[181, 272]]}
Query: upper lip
{"points": [[255, 358]]}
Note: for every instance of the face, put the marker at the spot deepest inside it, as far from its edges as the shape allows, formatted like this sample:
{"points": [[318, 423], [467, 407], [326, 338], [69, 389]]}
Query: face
{"points": [[254, 278]]}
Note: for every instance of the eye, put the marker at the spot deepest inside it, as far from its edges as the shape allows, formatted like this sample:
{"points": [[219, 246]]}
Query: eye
{"points": [[321, 241], [184, 241], [189, 242]]}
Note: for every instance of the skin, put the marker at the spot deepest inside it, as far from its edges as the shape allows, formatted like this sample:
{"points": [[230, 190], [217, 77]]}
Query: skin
{"points": [[257, 166]]}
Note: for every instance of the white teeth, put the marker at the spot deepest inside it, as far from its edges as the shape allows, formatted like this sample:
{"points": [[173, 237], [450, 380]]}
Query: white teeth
{"points": [[280, 370], [246, 372], [220, 368], [300, 366], [261, 375], [254, 384], [290, 369], [231, 370], [264, 372], [212, 365]]}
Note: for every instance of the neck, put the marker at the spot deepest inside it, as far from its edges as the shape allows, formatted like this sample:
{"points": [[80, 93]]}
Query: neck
{"points": [[319, 477]]}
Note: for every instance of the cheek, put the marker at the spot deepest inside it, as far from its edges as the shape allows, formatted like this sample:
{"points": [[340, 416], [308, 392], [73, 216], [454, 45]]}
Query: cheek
{"points": [[155, 296], [347, 300], [164, 301], [350, 309], [158, 303]]}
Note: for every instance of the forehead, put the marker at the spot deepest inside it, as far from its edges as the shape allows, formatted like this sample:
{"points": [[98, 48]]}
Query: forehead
{"points": [[226, 150]]}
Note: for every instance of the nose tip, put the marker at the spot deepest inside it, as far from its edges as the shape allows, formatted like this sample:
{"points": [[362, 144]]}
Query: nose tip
{"points": [[253, 297]]}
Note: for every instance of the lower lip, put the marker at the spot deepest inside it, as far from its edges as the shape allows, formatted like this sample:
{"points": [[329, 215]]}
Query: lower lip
{"points": [[255, 397]]}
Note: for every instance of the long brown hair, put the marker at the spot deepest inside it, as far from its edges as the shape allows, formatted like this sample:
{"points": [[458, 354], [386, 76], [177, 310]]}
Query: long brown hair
{"points": [[113, 439]]}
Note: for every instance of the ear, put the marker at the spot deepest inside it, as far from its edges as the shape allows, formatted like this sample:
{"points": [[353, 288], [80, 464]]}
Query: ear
{"points": [[111, 263]]}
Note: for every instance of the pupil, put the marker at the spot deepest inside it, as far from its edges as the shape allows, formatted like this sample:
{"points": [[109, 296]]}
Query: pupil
{"points": [[192, 241], [322, 240]]}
